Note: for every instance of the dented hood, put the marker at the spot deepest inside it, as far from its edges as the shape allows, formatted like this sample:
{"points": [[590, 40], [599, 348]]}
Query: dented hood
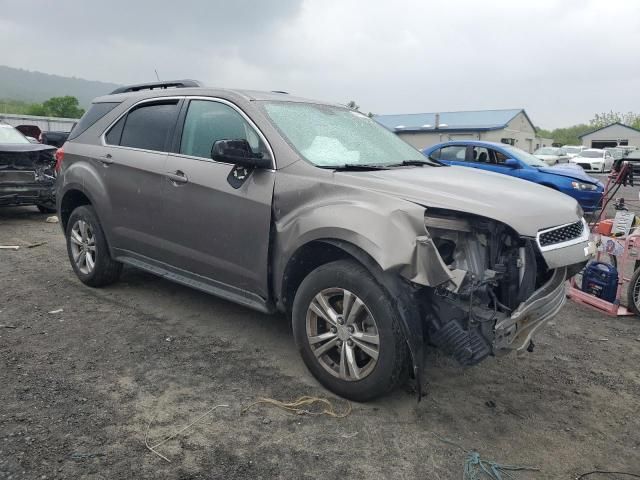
{"points": [[524, 206]]}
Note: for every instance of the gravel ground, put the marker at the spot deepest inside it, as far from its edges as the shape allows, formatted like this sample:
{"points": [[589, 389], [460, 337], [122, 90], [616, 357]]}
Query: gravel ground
{"points": [[81, 388]]}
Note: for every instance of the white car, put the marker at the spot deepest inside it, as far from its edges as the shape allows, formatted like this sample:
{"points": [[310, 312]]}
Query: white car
{"points": [[552, 155], [573, 150], [594, 160]]}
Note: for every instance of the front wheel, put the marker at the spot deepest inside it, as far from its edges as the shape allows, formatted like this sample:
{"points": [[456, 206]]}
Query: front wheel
{"points": [[88, 250], [347, 331]]}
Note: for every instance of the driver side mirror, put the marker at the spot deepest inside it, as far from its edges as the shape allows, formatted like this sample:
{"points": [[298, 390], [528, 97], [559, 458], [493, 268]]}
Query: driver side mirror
{"points": [[511, 163], [238, 152]]}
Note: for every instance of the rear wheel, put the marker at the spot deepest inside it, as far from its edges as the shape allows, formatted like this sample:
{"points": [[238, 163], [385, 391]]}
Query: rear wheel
{"points": [[88, 250], [347, 331]]}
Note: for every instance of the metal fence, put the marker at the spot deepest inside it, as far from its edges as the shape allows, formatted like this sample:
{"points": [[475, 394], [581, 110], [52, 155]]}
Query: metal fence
{"points": [[46, 124]]}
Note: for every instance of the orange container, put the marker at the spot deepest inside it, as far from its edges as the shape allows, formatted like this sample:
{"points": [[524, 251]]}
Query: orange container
{"points": [[604, 227]]}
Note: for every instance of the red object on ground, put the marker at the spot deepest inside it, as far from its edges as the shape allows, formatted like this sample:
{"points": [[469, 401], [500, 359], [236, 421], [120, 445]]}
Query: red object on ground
{"points": [[604, 227]]}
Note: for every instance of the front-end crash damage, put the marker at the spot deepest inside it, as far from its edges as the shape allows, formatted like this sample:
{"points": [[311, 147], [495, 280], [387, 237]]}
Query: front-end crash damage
{"points": [[487, 289], [27, 175]]}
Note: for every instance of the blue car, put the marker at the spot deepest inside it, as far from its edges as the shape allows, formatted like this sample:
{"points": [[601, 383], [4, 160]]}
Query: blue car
{"points": [[508, 160]]}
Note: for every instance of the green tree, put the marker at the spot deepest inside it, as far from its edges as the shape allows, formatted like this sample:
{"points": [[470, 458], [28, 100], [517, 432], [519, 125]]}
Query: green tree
{"points": [[353, 105], [67, 107], [600, 120], [36, 109]]}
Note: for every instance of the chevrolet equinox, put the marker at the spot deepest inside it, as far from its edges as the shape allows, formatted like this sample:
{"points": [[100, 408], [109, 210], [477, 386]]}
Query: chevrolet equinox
{"points": [[285, 204]]}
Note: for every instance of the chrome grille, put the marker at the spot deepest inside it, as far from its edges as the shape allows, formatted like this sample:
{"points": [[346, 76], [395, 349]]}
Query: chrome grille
{"points": [[561, 234]]}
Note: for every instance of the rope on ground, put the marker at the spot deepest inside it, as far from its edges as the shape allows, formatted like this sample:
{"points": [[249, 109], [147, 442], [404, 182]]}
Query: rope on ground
{"points": [[475, 467], [585, 475], [152, 448], [296, 406]]}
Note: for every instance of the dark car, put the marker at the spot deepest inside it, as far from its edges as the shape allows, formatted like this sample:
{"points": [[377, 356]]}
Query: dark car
{"points": [[284, 204], [55, 139], [27, 171], [507, 160]]}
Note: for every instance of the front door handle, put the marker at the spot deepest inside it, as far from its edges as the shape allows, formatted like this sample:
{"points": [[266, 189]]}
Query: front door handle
{"points": [[106, 159], [177, 177]]}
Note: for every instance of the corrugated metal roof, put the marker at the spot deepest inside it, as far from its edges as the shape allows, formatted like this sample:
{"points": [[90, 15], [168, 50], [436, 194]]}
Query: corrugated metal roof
{"points": [[473, 120]]}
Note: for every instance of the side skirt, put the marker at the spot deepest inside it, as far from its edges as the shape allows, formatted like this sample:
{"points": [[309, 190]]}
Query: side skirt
{"points": [[198, 282]]}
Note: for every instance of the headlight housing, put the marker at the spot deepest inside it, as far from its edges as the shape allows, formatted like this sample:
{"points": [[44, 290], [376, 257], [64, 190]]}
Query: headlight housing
{"points": [[588, 187]]}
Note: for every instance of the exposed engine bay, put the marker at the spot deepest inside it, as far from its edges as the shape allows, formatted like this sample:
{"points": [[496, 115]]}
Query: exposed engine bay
{"points": [[27, 175], [496, 269]]}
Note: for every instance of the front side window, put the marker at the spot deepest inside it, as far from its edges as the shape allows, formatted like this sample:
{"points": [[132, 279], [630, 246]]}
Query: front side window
{"points": [[208, 121], [147, 126], [329, 136]]}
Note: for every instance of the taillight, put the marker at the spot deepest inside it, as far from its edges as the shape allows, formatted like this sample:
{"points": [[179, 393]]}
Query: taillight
{"points": [[59, 156]]}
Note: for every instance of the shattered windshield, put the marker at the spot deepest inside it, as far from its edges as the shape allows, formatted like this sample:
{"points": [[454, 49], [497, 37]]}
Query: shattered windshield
{"points": [[329, 136]]}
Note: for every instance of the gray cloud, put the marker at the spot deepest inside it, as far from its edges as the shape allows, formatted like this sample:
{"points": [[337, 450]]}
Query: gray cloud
{"points": [[561, 60]]}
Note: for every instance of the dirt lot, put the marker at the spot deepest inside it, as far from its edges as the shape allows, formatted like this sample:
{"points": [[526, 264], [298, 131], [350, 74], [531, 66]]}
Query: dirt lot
{"points": [[79, 388]]}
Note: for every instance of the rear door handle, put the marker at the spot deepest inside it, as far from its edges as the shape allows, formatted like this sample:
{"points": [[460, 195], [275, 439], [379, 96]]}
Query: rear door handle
{"points": [[177, 177], [106, 159]]}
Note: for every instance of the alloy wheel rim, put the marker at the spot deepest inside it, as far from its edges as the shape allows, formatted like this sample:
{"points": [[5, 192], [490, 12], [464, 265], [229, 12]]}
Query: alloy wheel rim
{"points": [[636, 294], [83, 246], [342, 334]]}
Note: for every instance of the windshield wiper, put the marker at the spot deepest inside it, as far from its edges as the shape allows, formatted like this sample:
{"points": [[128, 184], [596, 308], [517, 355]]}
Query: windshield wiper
{"points": [[355, 167], [416, 163]]}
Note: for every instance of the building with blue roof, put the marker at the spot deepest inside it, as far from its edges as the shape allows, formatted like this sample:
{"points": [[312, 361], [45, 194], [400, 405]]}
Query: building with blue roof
{"points": [[511, 126]]}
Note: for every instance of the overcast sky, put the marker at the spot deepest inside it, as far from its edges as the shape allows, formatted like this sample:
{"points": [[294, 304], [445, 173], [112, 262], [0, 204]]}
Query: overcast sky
{"points": [[561, 60]]}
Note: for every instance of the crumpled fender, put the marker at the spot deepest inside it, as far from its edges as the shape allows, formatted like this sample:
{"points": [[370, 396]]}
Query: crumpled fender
{"points": [[386, 234]]}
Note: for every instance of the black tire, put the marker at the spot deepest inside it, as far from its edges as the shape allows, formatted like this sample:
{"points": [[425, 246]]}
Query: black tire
{"points": [[388, 370], [106, 270], [46, 209], [633, 283]]}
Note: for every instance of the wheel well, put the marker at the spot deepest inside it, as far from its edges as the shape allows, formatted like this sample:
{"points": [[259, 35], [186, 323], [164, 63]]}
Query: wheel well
{"points": [[309, 257], [71, 200]]}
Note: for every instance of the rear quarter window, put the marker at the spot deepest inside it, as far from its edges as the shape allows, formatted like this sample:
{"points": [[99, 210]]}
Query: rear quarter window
{"points": [[96, 112]]}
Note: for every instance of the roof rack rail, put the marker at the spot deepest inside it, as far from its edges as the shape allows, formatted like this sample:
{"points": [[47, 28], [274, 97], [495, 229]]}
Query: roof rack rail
{"points": [[160, 85]]}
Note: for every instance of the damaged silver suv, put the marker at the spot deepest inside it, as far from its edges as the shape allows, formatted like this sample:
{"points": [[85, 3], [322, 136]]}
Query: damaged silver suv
{"points": [[285, 204]]}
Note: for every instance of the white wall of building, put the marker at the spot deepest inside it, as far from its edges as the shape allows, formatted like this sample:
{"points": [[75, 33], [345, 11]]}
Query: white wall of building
{"points": [[519, 129], [613, 133]]}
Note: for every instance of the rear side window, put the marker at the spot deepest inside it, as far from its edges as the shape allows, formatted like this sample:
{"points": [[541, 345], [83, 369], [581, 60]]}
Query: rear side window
{"points": [[451, 153], [147, 127], [96, 112]]}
